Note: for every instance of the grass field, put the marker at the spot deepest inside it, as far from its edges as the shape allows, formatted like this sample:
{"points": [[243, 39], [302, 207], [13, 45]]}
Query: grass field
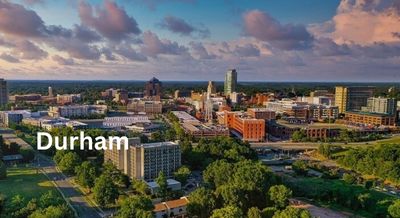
{"points": [[25, 182]]}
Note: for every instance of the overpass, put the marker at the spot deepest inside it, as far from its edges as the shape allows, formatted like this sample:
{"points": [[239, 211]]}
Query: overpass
{"points": [[286, 146]]}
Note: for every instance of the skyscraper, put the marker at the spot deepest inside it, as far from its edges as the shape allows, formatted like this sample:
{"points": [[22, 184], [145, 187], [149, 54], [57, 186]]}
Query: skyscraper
{"points": [[51, 92], [230, 82], [3, 92], [153, 88], [211, 89], [352, 98]]}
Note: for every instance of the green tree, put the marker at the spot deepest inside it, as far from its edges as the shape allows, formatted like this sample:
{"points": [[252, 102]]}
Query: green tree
{"points": [[349, 178], [254, 212], [50, 198], [299, 136], [135, 206], [27, 154], [279, 195], [291, 212], [61, 211], [105, 191], [182, 174], [268, 212], [115, 174], [86, 174], [140, 186], [227, 212], [68, 163], [201, 203], [300, 167], [162, 183], [394, 209], [3, 170]]}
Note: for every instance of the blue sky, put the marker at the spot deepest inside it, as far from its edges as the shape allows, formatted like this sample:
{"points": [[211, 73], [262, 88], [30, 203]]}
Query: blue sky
{"points": [[271, 40]]}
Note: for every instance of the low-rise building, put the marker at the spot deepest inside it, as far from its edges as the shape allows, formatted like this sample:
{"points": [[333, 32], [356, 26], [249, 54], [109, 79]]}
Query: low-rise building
{"points": [[118, 122], [148, 107], [71, 111], [243, 125], [9, 117], [374, 119], [261, 113], [68, 99], [173, 208]]}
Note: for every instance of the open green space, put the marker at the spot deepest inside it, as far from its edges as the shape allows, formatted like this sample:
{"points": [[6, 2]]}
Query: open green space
{"points": [[26, 182]]}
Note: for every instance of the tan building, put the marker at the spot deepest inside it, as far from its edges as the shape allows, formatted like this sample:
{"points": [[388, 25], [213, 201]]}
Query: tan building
{"points": [[148, 107], [370, 118], [145, 161], [261, 113], [352, 98]]}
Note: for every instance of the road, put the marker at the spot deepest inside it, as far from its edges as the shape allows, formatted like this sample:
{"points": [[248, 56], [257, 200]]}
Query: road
{"points": [[77, 200]]}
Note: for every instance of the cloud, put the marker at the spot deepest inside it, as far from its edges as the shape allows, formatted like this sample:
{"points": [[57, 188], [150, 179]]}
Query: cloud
{"points": [[34, 2], [16, 20], [110, 20], [180, 26], [153, 46], [28, 50], [126, 51], [152, 4], [9, 58], [247, 50], [85, 34], [63, 61], [200, 51], [364, 22], [265, 28]]}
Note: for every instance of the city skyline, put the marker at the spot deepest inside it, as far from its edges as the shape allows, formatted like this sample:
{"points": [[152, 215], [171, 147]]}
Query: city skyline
{"points": [[188, 40]]}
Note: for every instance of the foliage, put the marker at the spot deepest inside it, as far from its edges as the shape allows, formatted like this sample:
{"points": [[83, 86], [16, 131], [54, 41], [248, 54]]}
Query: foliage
{"points": [[227, 212], [140, 186], [279, 195], [394, 209], [3, 170], [201, 203], [119, 179], [182, 174], [135, 206], [61, 211], [291, 212], [300, 167], [162, 183], [68, 163], [349, 178], [105, 191], [86, 174], [254, 212], [27, 154]]}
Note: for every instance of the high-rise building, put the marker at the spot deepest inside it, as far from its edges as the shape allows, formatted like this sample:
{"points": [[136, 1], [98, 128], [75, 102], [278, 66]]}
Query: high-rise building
{"points": [[352, 98], [230, 82], [211, 89], [50, 92], [153, 88], [381, 105], [146, 161], [3, 92]]}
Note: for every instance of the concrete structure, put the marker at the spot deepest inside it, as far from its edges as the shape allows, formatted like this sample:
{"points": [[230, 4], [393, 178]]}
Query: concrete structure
{"points": [[3, 92], [50, 92], [352, 98], [75, 111], [172, 185], [68, 99], [146, 161], [148, 107], [174, 208], [381, 105], [261, 113], [374, 119], [211, 88], [230, 82], [153, 88], [8, 117], [121, 96]]}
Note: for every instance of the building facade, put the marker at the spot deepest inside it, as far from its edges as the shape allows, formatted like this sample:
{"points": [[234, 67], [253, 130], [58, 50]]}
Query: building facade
{"points": [[146, 161], [352, 98], [230, 82], [381, 105], [3, 92], [249, 128], [153, 88], [370, 118], [148, 107]]}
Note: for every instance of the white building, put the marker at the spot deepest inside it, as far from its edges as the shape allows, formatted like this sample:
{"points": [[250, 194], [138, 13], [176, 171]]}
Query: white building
{"points": [[118, 122]]}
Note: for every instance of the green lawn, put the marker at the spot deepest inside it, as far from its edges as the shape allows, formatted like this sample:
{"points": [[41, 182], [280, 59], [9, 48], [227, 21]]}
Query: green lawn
{"points": [[25, 182]]}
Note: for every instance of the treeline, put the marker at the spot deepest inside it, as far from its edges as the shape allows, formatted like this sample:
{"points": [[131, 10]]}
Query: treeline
{"points": [[381, 161]]}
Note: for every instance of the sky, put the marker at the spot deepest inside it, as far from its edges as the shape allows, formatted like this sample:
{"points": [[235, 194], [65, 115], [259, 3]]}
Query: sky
{"points": [[199, 40]]}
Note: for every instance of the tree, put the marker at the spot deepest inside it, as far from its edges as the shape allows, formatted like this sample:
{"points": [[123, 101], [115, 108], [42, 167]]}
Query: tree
{"points": [[140, 186], [349, 178], [291, 212], [268, 212], [279, 195], [115, 174], [182, 174], [135, 206], [50, 198], [27, 154], [86, 174], [162, 183], [201, 203], [300, 167], [394, 209], [298, 136], [68, 162], [105, 191], [3, 170], [227, 212], [61, 211], [254, 212]]}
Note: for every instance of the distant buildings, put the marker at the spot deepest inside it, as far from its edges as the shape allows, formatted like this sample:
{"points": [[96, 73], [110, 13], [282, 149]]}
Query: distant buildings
{"points": [[3, 92], [352, 98], [9, 117], [148, 107], [50, 92], [146, 161], [230, 82], [76, 111], [381, 105], [262, 113], [366, 118], [211, 88], [153, 89], [118, 122], [68, 99]]}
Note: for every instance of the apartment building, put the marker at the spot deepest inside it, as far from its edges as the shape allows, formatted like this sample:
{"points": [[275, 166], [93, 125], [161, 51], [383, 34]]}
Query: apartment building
{"points": [[249, 128], [145, 161], [261, 113], [370, 118], [381, 105], [352, 98], [148, 107]]}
